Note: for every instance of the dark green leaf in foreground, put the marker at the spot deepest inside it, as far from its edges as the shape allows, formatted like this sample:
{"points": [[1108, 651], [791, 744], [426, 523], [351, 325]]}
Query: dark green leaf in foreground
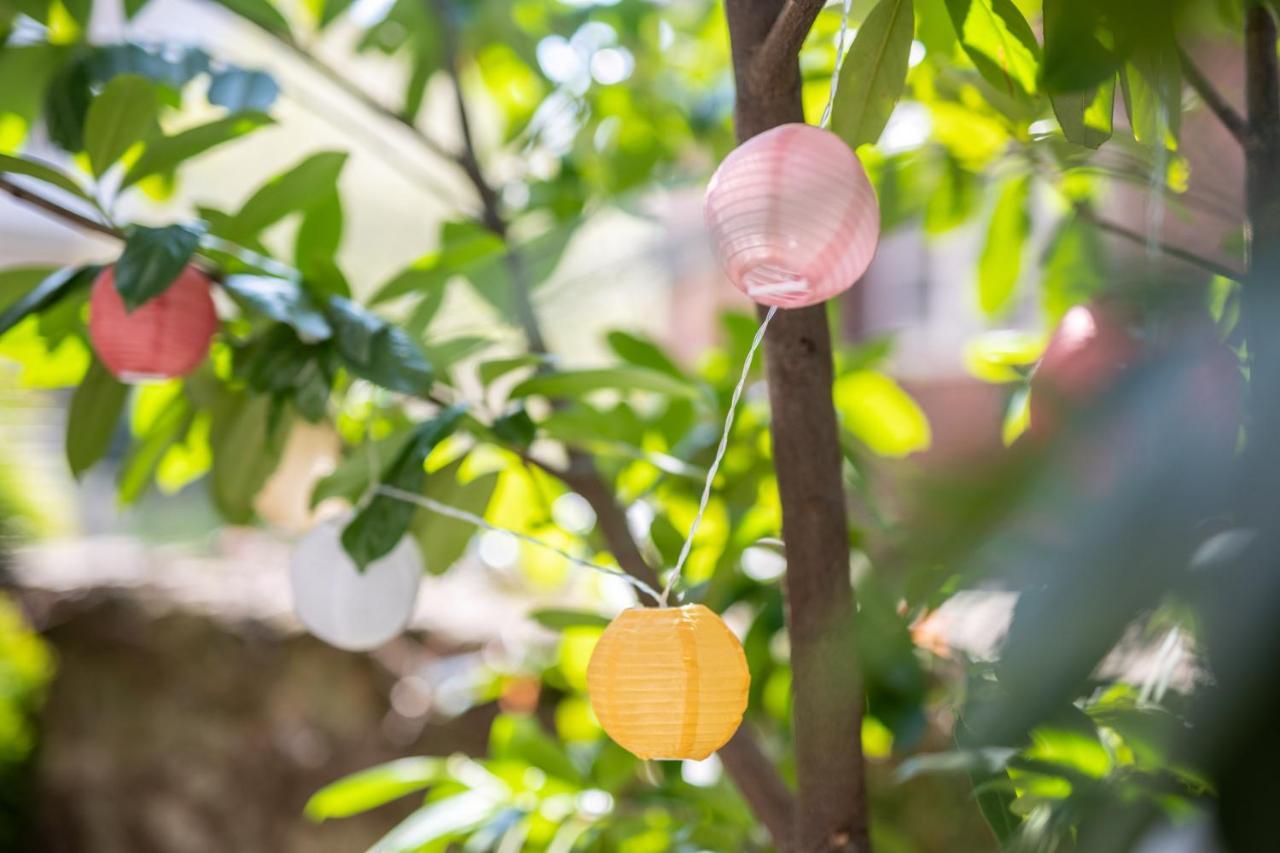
{"points": [[92, 416], [152, 260], [376, 529]]}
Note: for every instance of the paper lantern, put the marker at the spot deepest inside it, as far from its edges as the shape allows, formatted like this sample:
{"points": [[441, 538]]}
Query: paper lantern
{"points": [[1091, 347], [168, 336], [793, 216], [343, 606], [669, 683]]}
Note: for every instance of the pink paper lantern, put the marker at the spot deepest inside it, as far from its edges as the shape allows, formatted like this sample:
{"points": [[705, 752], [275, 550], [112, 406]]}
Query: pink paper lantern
{"points": [[793, 215], [166, 337]]}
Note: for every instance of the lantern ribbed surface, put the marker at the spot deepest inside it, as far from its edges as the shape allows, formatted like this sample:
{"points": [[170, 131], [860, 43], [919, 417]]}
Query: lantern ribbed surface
{"points": [[794, 218], [669, 683], [168, 336]]}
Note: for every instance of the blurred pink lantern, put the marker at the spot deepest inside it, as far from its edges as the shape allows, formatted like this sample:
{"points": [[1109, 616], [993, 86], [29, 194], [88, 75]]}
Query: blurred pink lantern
{"points": [[168, 336], [793, 215]]}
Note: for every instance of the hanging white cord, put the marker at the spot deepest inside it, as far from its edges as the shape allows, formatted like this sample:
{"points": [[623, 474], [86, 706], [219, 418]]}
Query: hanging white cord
{"points": [[715, 463], [839, 63], [471, 518]]}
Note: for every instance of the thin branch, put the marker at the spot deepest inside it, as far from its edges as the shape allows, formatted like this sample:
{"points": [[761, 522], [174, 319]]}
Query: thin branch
{"points": [[782, 44], [1213, 99], [57, 210], [354, 91], [1168, 249]]}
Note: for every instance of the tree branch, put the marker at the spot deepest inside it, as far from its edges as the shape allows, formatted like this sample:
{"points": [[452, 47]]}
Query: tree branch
{"points": [[1168, 249], [58, 211], [831, 811], [1213, 99], [783, 42], [756, 778]]}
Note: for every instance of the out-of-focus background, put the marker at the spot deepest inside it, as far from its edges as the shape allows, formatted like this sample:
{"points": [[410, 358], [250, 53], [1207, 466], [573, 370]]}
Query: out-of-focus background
{"points": [[156, 691]]}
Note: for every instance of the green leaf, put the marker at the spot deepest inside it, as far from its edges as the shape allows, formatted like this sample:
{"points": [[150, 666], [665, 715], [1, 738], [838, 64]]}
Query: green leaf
{"points": [[376, 529], [874, 73], [246, 441], [499, 367], [306, 184], [149, 448], [558, 619], [1087, 118], [881, 414], [152, 260], [351, 478], [1073, 268], [92, 416], [282, 300], [1075, 60], [375, 786], [437, 820], [999, 41], [954, 198], [1152, 87], [643, 353], [66, 102], [47, 293], [521, 738], [165, 153], [240, 89], [377, 351], [41, 172], [316, 246], [443, 540], [578, 383], [464, 248], [260, 12], [119, 117], [1001, 262]]}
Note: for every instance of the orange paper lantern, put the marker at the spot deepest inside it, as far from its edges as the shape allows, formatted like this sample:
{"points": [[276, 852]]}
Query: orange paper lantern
{"points": [[669, 683], [168, 336]]}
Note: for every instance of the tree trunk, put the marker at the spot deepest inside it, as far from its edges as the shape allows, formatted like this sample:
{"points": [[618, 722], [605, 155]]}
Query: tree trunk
{"points": [[831, 813]]}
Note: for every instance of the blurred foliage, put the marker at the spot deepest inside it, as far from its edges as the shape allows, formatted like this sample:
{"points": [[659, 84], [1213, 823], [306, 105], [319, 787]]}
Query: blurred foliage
{"points": [[995, 116], [26, 667]]}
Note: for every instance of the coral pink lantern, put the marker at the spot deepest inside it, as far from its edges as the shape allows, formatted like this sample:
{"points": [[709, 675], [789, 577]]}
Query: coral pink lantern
{"points": [[168, 336], [793, 215]]}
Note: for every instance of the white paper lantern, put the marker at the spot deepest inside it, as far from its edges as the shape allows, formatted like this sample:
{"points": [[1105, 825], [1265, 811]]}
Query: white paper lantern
{"points": [[344, 607]]}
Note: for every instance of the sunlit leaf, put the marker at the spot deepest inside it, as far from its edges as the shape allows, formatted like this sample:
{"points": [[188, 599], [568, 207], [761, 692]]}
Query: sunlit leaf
{"points": [[1000, 264], [881, 414], [1000, 42], [874, 73], [371, 788], [437, 820]]}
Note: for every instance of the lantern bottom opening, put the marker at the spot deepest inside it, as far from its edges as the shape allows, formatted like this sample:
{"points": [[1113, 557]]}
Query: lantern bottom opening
{"points": [[775, 285]]}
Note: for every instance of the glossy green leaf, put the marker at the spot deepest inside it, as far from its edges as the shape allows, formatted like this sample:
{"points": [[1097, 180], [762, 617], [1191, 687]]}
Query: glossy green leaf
{"points": [[881, 414], [165, 153], [152, 260], [874, 73], [373, 787], [282, 300], [999, 41], [380, 526], [1000, 264], [578, 383], [92, 417], [1075, 60], [47, 293], [377, 351], [118, 118], [41, 172]]}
